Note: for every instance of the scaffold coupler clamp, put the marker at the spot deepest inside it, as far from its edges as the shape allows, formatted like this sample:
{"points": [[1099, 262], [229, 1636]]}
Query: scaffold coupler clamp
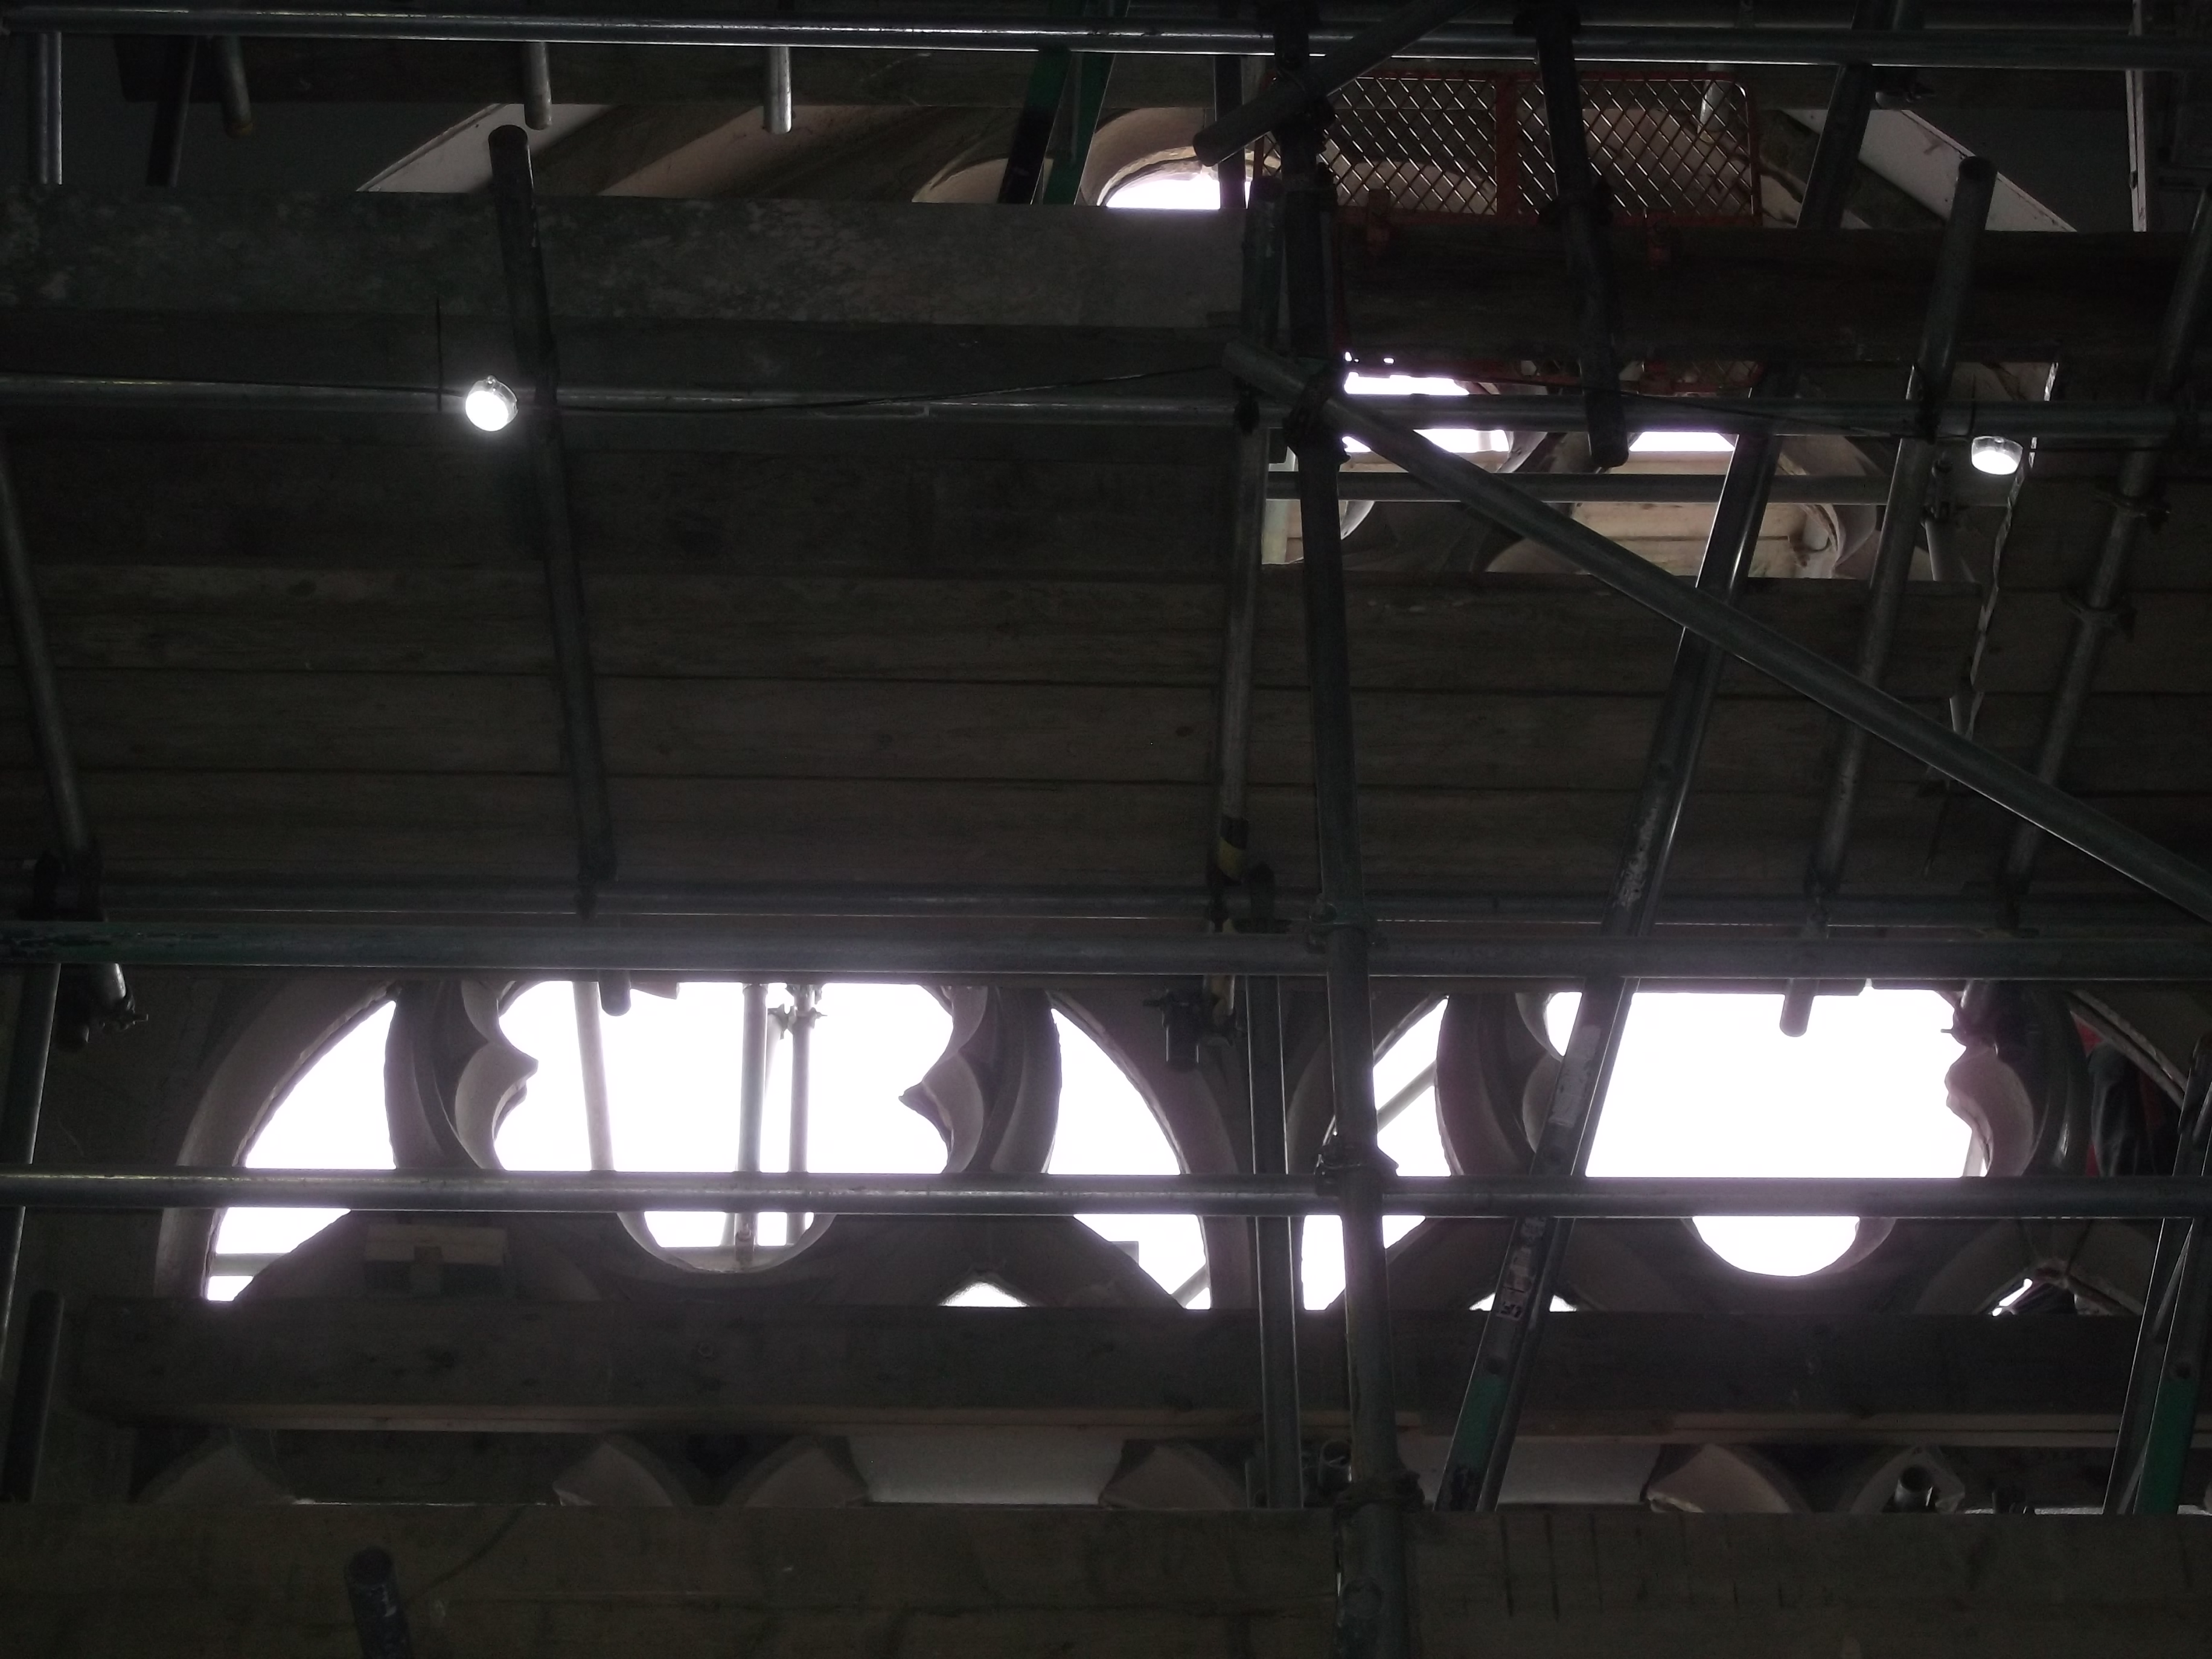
{"points": [[92, 993]]}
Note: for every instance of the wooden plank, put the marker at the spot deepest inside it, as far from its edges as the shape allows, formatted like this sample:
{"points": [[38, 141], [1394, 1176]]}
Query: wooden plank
{"points": [[336, 723], [1692, 294], [993, 833], [2059, 527], [553, 1581], [734, 517], [820, 262], [1742, 294], [2161, 649], [577, 1366], [1481, 634]]}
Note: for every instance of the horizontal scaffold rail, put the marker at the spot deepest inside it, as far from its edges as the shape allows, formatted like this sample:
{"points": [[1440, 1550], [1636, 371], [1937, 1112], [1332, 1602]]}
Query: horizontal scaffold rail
{"points": [[1937, 48], [404, 901], [460, 947], [1596, 1198], [1957, 422]]}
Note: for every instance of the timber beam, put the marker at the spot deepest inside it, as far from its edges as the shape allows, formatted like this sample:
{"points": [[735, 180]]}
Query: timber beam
{"points": [[93, 284], [598, 1367]]}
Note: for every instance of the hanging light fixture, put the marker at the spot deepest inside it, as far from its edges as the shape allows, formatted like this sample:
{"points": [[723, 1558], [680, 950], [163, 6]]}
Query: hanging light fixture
{"points": [[489, 405], [1999, 457]]}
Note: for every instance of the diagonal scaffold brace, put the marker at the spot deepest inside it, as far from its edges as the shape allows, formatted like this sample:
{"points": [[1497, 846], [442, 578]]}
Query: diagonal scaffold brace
{"points": [[544, 485], [1902, 514], [2136, 507], [2158, 1425], [2102, 837], [1482, 1440]]}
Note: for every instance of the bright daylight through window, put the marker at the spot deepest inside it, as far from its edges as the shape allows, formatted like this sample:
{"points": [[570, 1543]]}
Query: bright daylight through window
{"points": [[1177, 187], [1706, 1085], [672, 1071]]}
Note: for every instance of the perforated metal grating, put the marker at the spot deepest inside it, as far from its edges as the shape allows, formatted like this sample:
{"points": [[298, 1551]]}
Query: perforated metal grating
{"points": [[1672, 149]]}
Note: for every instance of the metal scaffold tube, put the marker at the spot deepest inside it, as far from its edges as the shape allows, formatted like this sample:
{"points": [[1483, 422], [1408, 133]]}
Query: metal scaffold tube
{"points": [[2158, 1425], [37, 1371], [35, 660], [1260, 261], [1482, 1438], [1805, 671], [1374, 1616], [546, 510], [1910, 478], [162, 1187], [776, 109], [752, 1110], [29, 1047], [1274, 1252], [785, 953], [536, 86], [46, 105], [2089, 423], [1581, 204], [172, 110], [1296, 91], [2086, 50], [349, 901], [2135, 506], [235, 91]]}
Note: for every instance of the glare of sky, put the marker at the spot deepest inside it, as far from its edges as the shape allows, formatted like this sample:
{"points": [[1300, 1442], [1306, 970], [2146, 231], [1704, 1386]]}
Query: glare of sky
{"points": [[1708, 1084], [1456, 439], [1681, 443], [331, 1119], [672, 1088], [1106, 1129], [1189, 189], [1398, 383]]}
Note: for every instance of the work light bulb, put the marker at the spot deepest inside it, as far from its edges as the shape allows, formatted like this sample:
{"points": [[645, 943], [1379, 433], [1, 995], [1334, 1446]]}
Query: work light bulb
{"points": [[1999, 457], [490, 406]]}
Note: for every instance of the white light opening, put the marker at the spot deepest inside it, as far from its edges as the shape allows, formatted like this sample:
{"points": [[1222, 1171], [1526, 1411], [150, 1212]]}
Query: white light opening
{"points": [[1681, 443], [1707, 1084], [1397, 384], [489, 405], [1999, 457], [1188, 189], [672, 1065], [1453, 439]]}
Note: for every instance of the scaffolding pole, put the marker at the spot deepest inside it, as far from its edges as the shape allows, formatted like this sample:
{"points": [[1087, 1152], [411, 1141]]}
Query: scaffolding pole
{"points": [[2158, 1425], [1910, 478], [1374, 1617], [1482, 1438], [1646, 1198], [2084, 50], [2136, 505], [785, 954], [1803, 671], [546, 510]]}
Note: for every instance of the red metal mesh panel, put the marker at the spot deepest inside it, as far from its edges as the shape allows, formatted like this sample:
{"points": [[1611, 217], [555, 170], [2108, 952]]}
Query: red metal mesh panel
{"points": [[1674, 149]]}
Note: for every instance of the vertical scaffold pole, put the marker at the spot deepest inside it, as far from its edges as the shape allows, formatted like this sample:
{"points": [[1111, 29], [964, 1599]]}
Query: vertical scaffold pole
{"points": [[1282, 1452], [1482, 1438], [1373, 1609]]}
